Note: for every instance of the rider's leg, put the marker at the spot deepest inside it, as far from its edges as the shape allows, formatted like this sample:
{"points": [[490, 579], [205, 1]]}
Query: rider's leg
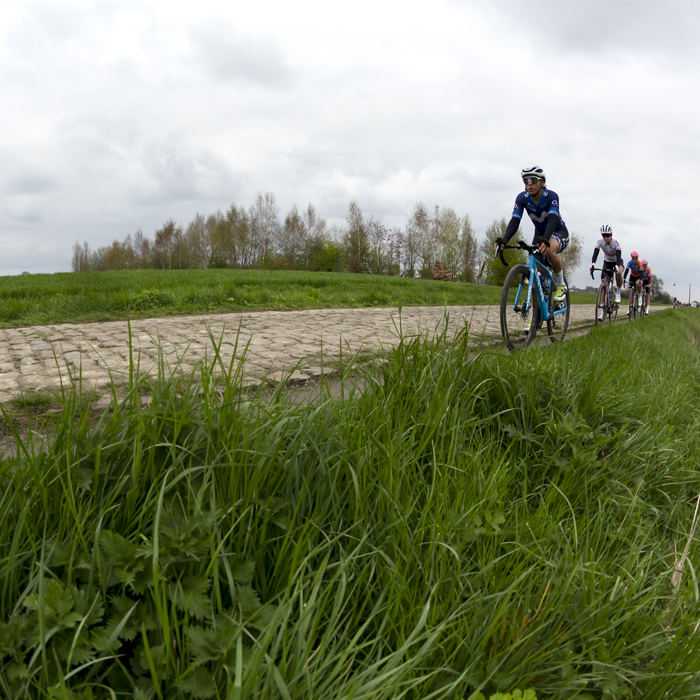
{"points": [[553, 255], [631, 299], [554, 260], [618, 290]]}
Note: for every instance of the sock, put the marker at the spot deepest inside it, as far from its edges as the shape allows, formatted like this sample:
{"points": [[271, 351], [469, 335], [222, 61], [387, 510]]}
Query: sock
{"points": [[559, 277]]}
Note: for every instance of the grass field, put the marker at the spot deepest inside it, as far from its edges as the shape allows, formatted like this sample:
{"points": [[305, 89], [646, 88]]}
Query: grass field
{"points": [[468, 524], [102, 296]]}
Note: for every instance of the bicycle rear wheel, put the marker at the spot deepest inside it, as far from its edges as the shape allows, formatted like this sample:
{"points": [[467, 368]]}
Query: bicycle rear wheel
{"points": [[558, 325], [518, 323], [612, 311]]}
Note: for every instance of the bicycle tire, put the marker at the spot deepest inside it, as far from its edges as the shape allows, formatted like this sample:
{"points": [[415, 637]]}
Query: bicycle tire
{"points": [[633, 306], [599, 304], [558, 325], [513, 323]]}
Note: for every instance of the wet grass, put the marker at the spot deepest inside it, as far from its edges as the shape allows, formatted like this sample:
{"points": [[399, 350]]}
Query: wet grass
{"points": [[467, 524], [103, 296]]}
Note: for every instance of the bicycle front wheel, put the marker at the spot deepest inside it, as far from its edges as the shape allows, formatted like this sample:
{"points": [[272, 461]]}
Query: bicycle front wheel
{"points": [[557, 325], [518, 319]]}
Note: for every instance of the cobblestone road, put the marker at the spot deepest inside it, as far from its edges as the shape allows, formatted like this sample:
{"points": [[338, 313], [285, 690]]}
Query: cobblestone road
{"points": [[39, 357]]}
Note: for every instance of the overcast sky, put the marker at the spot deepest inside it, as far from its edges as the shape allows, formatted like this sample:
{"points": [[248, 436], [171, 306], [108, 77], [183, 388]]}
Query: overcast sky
{"points": [[120, 115]]}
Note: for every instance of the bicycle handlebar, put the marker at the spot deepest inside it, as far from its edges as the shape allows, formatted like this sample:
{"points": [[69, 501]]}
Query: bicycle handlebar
{"points": [[602, 269], [532, 249]]}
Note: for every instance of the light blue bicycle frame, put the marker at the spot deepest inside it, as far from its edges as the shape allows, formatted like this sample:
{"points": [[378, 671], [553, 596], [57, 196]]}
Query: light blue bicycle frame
{"points": [[533, 263]]}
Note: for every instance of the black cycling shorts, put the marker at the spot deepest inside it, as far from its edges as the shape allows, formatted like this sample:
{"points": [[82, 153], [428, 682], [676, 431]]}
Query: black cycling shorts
{"points": [[609, 269]]}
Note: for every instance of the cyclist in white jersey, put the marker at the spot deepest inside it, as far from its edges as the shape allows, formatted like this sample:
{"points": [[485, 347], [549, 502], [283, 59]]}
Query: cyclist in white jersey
{"points": [[612, 260]]}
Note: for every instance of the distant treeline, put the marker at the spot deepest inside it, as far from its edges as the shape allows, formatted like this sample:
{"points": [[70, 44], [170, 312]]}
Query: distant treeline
{"points": [[257, 238]]}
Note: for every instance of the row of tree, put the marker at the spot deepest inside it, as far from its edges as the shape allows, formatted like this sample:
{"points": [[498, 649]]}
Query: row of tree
{"points": [[257, 238]]}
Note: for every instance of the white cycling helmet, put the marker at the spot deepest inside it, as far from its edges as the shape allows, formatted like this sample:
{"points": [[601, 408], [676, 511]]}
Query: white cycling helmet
{"points": [[533, 171], [606, 230]]}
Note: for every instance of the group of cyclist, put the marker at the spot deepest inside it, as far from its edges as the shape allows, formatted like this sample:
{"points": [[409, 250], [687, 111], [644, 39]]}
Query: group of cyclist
{"points": [[638, 270], [552, 237]]}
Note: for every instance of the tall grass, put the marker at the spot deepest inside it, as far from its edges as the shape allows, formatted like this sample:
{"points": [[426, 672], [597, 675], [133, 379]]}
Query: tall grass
{"points": [[465, 524], [100, 296]]}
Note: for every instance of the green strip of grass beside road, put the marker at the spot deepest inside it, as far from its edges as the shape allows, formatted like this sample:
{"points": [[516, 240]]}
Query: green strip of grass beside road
{"points": [[107, 296], [469, 523]]}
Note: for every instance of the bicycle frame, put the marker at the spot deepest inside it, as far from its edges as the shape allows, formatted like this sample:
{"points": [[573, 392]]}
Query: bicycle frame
{"points": [[533, 264]]}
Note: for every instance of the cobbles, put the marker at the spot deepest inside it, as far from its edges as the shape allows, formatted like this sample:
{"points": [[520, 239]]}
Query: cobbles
{"points": [[41, 357]]}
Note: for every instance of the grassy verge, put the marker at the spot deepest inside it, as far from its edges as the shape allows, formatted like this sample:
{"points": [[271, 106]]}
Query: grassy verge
{"points": [[469, 524], [102, 296]]}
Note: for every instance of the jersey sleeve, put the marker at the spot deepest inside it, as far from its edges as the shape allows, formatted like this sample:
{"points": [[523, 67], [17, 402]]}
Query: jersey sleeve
{"points": [[553, 203], [519, 205]]}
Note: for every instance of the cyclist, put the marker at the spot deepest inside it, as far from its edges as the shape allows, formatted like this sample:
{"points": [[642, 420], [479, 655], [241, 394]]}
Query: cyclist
{"points": [[551, 234], [612, 260], [646, 283], [633, 268]]}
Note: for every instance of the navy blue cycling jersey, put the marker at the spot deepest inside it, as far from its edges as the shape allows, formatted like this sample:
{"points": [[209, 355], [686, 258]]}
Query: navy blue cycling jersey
{"points": [[538, 211]]}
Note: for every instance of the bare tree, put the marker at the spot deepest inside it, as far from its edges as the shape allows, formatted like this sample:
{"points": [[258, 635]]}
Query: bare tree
{"points": [[377, 234], [292, 239], [355, 240], [164, 242], [410, 251], [142, 250], [469, 251], [264, 225], [198, 242], [419, 229], [81, 257], [314, 233], [394, 251], [445, 225]]}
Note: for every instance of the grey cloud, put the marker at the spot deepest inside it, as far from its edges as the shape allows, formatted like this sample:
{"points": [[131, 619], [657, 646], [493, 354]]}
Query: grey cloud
{"points": [[602, 27], [230, 56], [173, 171], [27, 182]]}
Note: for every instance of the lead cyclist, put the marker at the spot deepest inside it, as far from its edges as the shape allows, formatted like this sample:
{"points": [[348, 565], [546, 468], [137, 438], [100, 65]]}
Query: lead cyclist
{"points": [[542, 206]]}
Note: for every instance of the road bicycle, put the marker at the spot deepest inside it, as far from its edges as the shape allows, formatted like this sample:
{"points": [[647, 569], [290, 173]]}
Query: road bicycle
{"points": [[523, 314], [605, 291], [637, 307]]}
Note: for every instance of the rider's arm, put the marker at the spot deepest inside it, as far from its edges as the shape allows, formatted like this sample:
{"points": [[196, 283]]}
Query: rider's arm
{"points": [[511, 229], [627, 269], [514, 222], [619, 257], [596, 250]]}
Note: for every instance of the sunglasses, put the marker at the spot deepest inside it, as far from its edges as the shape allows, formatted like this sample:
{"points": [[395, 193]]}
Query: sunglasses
{"points": [[607, 235], [635, 257], [531, 180]]}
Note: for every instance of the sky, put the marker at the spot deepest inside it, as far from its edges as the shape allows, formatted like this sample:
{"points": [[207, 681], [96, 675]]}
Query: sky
{"points": [[118, 116]]}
